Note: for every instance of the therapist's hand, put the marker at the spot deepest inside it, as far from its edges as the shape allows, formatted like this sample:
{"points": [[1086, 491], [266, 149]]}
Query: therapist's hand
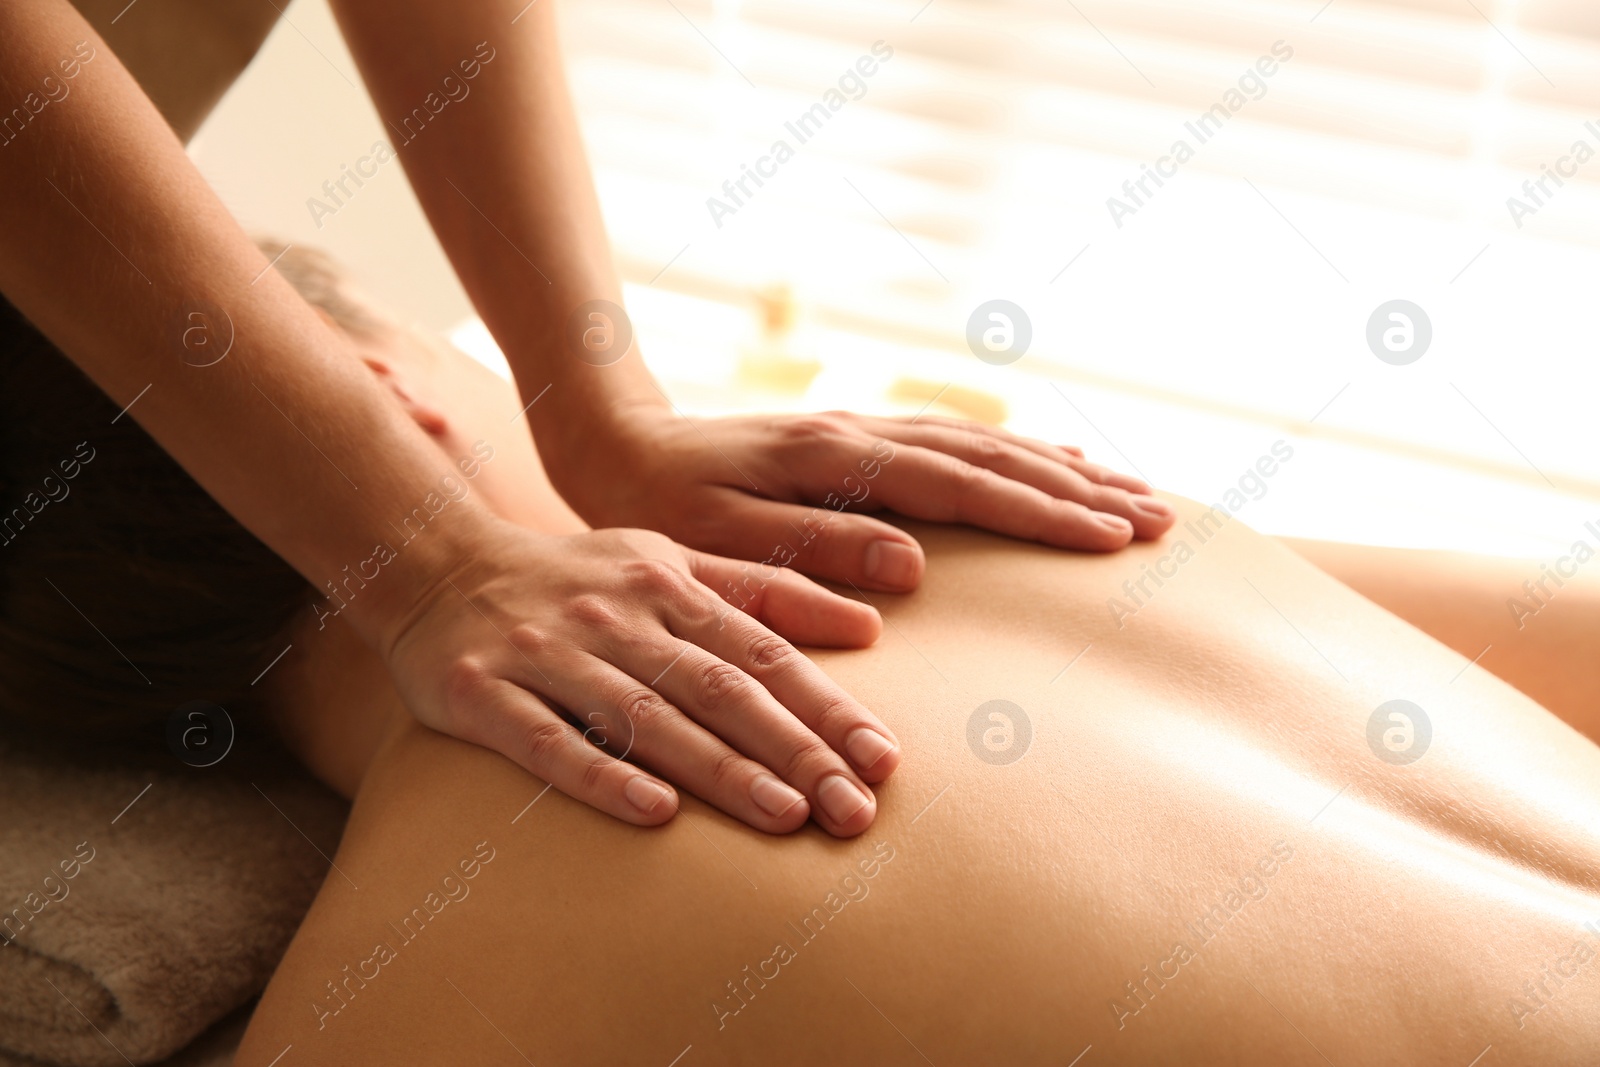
{"points": [[569, 654], [790, 489]]}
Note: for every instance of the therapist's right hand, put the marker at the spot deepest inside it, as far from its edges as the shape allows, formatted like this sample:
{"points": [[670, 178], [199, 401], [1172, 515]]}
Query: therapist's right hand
{"points": [[589, 657]]}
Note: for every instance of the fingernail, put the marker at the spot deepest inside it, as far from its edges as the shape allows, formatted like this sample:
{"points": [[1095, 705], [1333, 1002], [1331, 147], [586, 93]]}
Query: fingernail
{"points": [[772, 796], [1159, 509], [866, 747], [840, 798], [891, 563], [1113, 522], [645, 795]]}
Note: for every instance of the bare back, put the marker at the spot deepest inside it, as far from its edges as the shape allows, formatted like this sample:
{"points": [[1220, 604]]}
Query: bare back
{"points": [[1189, 846]]}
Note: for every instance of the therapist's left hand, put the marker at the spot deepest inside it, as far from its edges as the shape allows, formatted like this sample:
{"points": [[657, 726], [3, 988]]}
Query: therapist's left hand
{"points": [[791, 489]]}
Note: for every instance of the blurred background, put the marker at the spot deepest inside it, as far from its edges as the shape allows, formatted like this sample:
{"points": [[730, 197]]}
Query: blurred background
{"points": [[1178, 336]]}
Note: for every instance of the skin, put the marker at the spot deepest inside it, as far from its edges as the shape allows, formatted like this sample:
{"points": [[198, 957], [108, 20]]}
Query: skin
{"points": [[490, 629], [1215, 743], [1493, 611]]}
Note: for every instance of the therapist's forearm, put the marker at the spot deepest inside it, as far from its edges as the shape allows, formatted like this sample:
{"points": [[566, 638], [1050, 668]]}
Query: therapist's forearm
{"points": [[501, 171], [109, 237]]}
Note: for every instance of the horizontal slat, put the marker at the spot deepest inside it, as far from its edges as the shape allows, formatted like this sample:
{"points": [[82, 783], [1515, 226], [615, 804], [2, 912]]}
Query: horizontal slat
{"points": [[980, 160]]}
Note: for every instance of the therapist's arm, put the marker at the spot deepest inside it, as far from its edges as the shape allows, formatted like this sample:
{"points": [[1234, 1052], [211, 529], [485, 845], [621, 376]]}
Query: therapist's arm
{"points": [[113, 244], [110, 240], [475, 99]]}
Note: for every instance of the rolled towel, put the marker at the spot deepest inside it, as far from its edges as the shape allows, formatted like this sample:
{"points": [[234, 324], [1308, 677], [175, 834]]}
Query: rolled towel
{"points": [[141, 905]]}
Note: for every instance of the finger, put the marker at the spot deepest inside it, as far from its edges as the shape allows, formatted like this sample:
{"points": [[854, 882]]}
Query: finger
{"points": [[630, 719], [928, 484], [788, 603], [731, 705], [815, 701], [1150, 517], [1073, 456], [1043, 448], [819, 541], [520, 726], [1106, 476]]}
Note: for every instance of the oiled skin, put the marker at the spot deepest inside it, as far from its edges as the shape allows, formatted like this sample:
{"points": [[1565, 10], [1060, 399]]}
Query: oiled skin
{"points": [[1422, 915], [1210, 734]]}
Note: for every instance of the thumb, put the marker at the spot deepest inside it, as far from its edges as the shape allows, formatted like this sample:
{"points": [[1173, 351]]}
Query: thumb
{"points": [[788, 604], [838, 546]]}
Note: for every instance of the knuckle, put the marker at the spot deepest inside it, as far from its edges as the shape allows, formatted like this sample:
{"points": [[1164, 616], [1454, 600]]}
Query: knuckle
{"points": [[1097, 474], [808, 759], [593, 777], [613, 537], [595, 611], [964, 476], [809, 430], [542, 741], [720, 683], [465, 681], [644, 709], [834, 715], [986, 450], [1104, 498], [1057, 511], [728, 769], [653, 577], [529, 639], [768, 650]]}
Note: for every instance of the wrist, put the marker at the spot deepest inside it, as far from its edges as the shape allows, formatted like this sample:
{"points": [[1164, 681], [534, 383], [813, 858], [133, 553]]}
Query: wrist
{"points": [[584, 444], [383, 593]]}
